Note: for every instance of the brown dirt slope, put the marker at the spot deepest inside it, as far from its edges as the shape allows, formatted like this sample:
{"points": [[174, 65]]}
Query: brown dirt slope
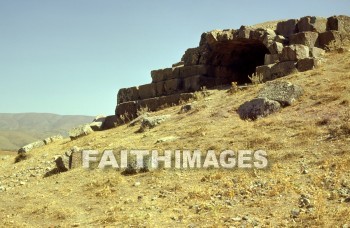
{"points": [[307, 182]]}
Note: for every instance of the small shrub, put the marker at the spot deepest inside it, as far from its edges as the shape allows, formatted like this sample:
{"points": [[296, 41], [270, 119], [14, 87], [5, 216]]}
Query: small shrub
{"points": [[256, 78], [234, 88]]}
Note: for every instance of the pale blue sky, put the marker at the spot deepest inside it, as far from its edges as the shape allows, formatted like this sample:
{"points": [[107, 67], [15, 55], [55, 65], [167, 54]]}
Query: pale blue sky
{"points": [[72, 56]]}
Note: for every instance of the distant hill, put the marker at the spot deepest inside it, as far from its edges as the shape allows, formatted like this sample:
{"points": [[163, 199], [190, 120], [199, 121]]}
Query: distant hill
{"points": [[17, 130]]}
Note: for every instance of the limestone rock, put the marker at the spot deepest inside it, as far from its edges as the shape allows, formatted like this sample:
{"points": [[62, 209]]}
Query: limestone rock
{"points": [[339, 23], [312, 24], [287, 28], [271, 59], [317, 52], [295, 52], [147, 91], [31, 146], [161, 74], [111, 122], [309, 39], [258, 107], [172, 86], [307, 64], [277, 70], [80, 131], [326, 39], [281, 91], [276, 48], [178, 64], [52, 139], [196, 82], [128, 94], [97, 123], [151, 122]]}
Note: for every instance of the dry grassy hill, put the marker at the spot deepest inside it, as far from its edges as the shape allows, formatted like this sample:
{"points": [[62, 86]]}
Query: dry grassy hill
{"points": [[307, 183]]}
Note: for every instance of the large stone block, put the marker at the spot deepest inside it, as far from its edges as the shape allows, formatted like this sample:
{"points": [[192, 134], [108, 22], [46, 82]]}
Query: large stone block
{"points": [[271, 59], [287, 28], [326, 39], [161, 74], [309, 39], [127, 109], [111, 122], [191, 56], [312, 24], [188, 71], [147, 91], [277, 70], [160, 90], [307, 64], [151, 104], [172, 86], [258, 107], [317, 52], [244, 32], [128, 94], [80, 131], [196, 82], [339, 23], [295, 52], [276, 48]]}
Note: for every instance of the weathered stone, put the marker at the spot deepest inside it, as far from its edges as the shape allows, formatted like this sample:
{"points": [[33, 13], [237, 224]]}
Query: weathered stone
{"points": [[151, 122], [47, 141], [317, 52], [97, 123], [147, 91], [287, 28], [281, 39], [111, 122], [309, 39], [307, 64], [196, 56], [244, 32], [295, 52], [196, 82], [268, 37], [31, 146], [172, 86], [76, 158], [52, 139], [273, 71], [312, 24], [80, 131], [127, 109], [138, 119], [339, 23], [128, 94], [62, 163], [161, 74], [160, 90], [281, 91], [186, 108], [270, 59], [258, 107], [276, 48], [188, 71], [327, 38]]}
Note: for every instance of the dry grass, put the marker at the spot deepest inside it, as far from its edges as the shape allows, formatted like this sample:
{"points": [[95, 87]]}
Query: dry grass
{"points": [[308, 152]]}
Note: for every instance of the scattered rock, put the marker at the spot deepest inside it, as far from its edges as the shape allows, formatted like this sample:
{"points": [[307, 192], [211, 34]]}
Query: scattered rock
{"points": [[186, 108], [167, 139], [53, 139], [31, 146], [151, 122], [97, 123], [295, 213], [62, 163], [258, 107], [295, 52], [138, 120], [281, 91], [80, 131]]}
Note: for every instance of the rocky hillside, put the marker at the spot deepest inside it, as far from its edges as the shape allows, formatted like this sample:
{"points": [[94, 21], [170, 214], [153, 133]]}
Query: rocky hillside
{"points": [[303, 124], [306, 184], [17, 130]]}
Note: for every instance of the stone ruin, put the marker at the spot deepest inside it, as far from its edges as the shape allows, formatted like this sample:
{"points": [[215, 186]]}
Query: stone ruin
{"points": [[226, 56]]}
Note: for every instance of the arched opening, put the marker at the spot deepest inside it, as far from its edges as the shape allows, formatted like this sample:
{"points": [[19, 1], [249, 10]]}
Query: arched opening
{"points": [[235, 60]]}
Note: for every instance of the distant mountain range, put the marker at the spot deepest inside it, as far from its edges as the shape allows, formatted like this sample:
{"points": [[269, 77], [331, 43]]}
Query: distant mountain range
{"points": [[17, 130]]}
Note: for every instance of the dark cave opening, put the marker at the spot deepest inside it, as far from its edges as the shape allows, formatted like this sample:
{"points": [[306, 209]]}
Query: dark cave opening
{"points": [[235, 60]]}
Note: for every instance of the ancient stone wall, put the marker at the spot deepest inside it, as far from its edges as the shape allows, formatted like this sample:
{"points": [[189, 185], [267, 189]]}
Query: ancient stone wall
{"points": [[224, 56]]}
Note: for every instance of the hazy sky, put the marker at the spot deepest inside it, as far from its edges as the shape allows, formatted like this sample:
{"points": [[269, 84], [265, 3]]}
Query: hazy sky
{"points": [[72, 56]]}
